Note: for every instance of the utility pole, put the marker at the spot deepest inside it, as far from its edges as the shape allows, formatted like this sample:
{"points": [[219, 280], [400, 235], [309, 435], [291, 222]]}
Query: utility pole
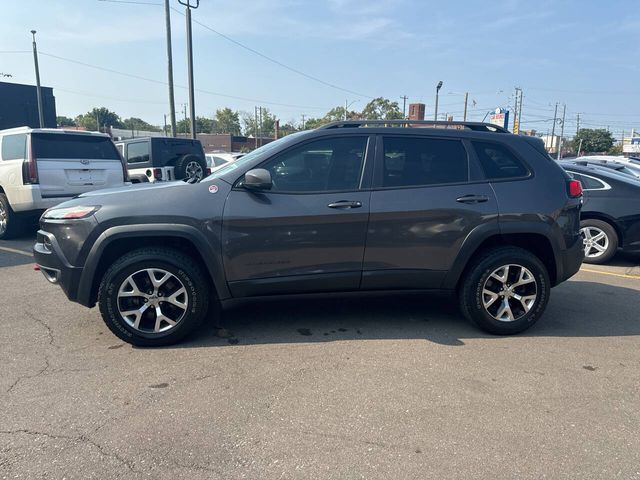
{"points": [[553, 127], [97, 121], [38, 89], [346, 106], [189, 4], [172, 103], [435, 113], [303, 121], [255, 126], [404, 106], [516, 111], [564, 110], [577, 123], [260, 127], [520, 111], [184, 111], [466, 101]]}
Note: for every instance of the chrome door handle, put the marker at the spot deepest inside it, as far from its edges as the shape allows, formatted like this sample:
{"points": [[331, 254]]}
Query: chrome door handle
{"points": [[344, 204], [472, 199]]}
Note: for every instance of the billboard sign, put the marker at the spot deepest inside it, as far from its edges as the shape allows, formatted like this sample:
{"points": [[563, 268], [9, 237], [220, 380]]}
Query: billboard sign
{"points": [[500, 117]]}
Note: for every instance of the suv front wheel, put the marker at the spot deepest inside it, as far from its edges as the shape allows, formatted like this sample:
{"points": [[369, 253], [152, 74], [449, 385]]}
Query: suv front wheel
{"points": [[505, 291], [153, 297]]}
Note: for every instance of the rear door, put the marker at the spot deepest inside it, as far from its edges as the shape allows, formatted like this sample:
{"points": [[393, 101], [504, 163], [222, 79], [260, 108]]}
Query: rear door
{"points": [[70, 164], [427, 197], [307, 233]]}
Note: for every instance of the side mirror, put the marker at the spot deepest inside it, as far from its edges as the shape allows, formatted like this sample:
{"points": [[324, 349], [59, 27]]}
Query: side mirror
{"points": [[257, 179]]}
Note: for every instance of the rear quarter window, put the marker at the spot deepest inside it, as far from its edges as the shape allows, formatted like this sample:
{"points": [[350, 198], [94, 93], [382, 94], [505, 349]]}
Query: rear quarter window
{"points": [[57, 145], [14, 147], [498, 162]]}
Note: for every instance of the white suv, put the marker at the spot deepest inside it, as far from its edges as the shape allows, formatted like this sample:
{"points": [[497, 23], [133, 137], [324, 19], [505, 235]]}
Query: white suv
{"points": [[40, 168]]}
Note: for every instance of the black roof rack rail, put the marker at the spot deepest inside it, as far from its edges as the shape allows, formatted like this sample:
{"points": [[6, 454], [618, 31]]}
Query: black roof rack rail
{"points": [[475, 126]]}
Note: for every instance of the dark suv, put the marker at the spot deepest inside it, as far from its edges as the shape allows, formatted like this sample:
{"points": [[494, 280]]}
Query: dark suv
{"points": [[151, 159], [352, 206]]}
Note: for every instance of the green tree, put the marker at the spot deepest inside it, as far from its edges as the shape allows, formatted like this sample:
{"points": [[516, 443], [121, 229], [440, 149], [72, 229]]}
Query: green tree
{"points": [[312, 123], [203, 125], [99, 114], [381, 109], [594, 140], [228, 121], [63, 121], [253, 127], [134, 123]]}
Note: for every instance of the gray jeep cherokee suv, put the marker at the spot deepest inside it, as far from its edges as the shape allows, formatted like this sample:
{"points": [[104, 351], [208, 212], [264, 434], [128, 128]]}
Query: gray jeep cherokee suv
{"points": [[353, 206]]}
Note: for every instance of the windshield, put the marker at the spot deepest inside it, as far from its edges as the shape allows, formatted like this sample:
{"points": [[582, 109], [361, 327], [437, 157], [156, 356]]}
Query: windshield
{"points": [[251, 155]]}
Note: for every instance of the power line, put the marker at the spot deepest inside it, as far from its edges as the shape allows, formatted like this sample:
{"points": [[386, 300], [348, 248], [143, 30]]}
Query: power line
{"points": [[160, 82]]}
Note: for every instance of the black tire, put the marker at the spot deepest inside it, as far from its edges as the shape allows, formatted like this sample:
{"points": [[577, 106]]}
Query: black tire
{"points": [[185, 168], [610, 240], [182, 267], [10, 223], [477, 276]]}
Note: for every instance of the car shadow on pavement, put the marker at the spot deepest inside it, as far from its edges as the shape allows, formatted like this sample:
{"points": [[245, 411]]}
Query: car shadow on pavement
{"points": [[576, 309]]}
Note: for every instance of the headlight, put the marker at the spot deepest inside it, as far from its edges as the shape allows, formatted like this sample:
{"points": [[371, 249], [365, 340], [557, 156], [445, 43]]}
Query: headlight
{"points": [[70, 212]]}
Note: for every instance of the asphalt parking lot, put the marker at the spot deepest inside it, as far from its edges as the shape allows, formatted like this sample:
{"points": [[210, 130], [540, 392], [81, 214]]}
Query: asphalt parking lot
{"points": [[387, 387]]}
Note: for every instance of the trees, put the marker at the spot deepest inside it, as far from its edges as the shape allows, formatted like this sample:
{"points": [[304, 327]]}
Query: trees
{"points": [[134, 123], [252, 125], [99, 114], [381, 109], [63, 121], [228, 121], [594, 140], [203, 125]]}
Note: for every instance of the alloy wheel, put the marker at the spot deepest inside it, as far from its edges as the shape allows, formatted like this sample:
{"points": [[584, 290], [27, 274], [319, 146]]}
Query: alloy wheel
{"points": [[193, 172], [596, 241], [509, 292], [3, 219], [152, 300]]}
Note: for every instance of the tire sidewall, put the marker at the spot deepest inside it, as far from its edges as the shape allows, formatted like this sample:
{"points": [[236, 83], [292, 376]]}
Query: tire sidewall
{"points": [[182, 162], [611, 234], [479, 314], [109, 302]]}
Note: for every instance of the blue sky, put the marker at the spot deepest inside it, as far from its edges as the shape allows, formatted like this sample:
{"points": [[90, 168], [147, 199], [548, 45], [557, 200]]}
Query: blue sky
{"points": [[583, 53]]}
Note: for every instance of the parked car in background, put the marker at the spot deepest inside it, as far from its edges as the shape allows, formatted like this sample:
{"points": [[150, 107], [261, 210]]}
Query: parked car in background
{"points": [[619, 164], [610, 217], [218, 159], [152, 159], [41, 167], [352, 206]]}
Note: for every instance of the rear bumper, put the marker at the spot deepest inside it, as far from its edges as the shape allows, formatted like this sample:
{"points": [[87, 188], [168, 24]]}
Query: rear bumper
{"points": [[569, 261], [24, 198], [54, 265]]}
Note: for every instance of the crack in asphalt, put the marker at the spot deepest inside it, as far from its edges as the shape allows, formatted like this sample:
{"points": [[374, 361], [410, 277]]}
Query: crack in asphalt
{"points": [[78, 439], [26, 377]]}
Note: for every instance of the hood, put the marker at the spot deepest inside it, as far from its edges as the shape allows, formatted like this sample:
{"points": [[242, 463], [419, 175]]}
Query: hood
{"points": [[133, 187]]}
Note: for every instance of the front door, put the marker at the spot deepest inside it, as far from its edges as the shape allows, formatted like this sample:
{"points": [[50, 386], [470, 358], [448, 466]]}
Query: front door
{"points": [[308, 232], [427, 197]]}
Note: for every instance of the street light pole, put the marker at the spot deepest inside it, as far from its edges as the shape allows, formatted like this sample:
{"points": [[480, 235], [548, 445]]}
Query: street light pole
{"points": [[404, 106], [466, 101], [564, 111], [192, 104], [172, 103], [438, 87], [38, 89]]}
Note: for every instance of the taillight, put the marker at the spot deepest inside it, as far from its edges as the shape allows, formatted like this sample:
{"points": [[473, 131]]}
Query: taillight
{"points": [[157, 173], [29, 169], [575, 189]]}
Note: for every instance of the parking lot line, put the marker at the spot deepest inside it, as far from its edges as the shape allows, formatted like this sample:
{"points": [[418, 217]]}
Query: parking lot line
{"points": [[15, 250], [621, 275]]}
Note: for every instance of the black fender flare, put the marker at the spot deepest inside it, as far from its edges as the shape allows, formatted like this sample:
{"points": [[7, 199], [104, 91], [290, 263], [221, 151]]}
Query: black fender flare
{"points": [[212, 260]]}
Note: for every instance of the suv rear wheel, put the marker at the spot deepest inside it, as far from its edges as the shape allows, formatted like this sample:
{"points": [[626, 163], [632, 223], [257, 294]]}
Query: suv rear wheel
{"points": [[600, 241], [153, 296], [191, 168], [505, 291], [9, 222]]}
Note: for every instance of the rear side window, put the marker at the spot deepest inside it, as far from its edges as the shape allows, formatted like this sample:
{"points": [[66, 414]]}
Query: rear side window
{"points": [[58, 145], [589, 183], [14, 147], [138, 152], [498, 162], [423, 161]]}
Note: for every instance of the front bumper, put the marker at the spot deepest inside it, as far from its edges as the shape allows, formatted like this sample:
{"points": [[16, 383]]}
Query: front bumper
{"points": [[569, 261], [55, 266]]}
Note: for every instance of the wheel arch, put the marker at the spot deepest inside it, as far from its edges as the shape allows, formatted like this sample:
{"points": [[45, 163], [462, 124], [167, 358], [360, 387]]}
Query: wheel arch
{"points": [[116, 241], [535, 239]]}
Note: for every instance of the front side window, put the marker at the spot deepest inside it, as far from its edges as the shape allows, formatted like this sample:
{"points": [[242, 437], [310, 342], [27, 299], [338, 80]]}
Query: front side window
{"points": [[14, 147], [138, 152], [330, 164], [418, 161], [498, 162]]}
